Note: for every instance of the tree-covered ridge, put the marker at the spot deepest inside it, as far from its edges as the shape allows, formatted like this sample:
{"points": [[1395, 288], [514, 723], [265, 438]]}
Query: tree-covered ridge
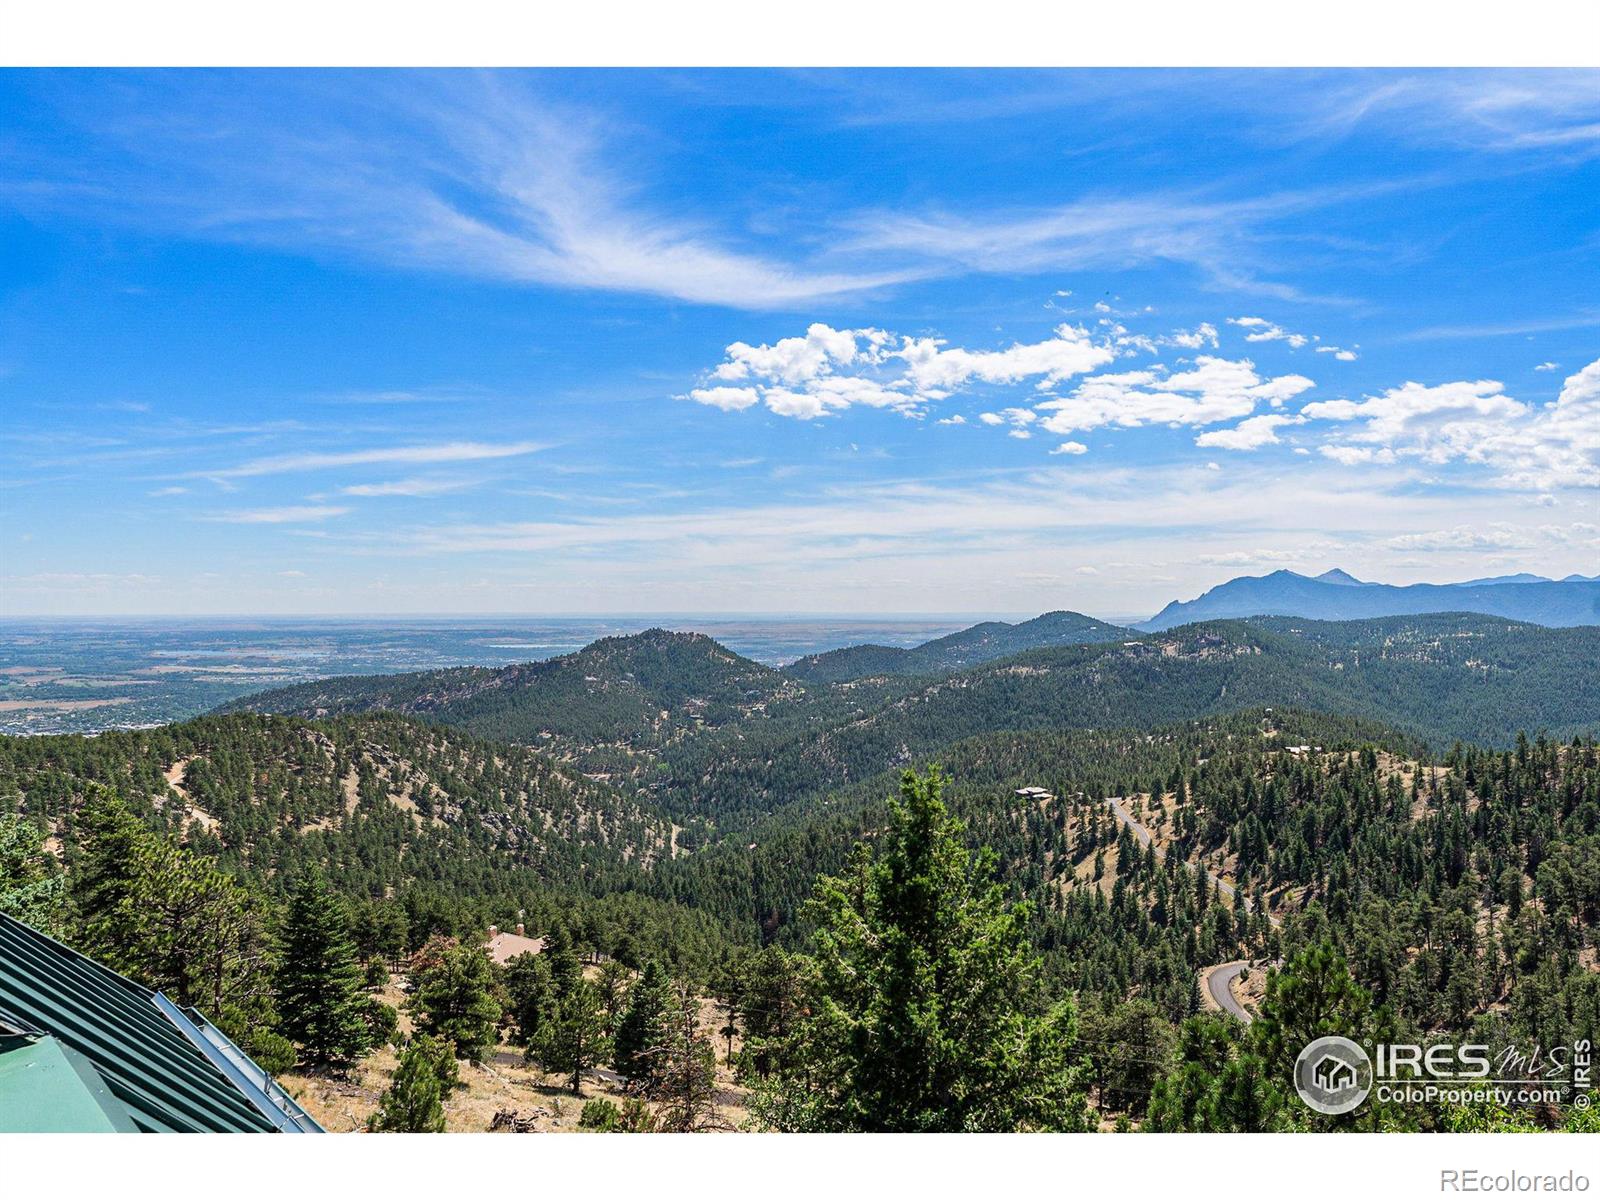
{"points": [[1438, 679], [1459, 888], [641, 689], [718, 743], [965, 648], [378, 801]]}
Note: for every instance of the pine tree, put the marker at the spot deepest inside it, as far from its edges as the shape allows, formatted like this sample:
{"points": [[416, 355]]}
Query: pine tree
{"points": [[643, 1026], [928, 1013], [30, 884], [319, 983], [575, 1039], [458, 1000], [413, 1102], [531, 995], [685, 1069]]}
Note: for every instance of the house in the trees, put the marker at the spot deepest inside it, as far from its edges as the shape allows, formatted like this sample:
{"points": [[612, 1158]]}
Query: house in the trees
{"points": [[503, 946]]}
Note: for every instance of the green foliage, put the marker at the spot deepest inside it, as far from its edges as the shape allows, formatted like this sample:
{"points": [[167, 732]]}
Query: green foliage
{"points": [[642, 1028], [168, 918], [530, 994], [574, 1038], [458, 1000], [413, 1102], [927, 1014], [599, 1115], [320, 991], [603, 1116], [31, 887]]}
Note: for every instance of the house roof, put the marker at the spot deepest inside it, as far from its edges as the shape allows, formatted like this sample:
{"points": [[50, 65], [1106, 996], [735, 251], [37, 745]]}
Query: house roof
{"points": [[46, 1088], [503, 947], [146, 1063]]}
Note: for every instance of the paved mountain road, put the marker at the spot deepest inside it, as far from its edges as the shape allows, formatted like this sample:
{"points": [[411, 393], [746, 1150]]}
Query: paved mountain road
{"points": [[1219, 985], [1218, 978]]}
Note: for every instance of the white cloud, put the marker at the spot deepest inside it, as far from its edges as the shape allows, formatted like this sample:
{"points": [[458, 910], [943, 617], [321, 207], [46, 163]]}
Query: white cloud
{"points": [[290, 515], [283, 464], [1547, 366], [471, 174], [1338, 352], [1214, 389], [1500, 535], [728, 399], [1071, 448], [407, 487], [828, 370], [1250, 434], [1476, 422], [168, 491], [1263, 330], [1201, 336]]}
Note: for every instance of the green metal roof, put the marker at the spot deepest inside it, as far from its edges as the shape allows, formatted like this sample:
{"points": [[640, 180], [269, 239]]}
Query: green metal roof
{"points": [[46, 1088], [167, 1069]]}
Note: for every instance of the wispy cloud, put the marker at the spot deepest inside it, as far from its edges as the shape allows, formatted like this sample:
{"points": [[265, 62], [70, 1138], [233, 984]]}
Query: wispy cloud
{"points": [[283, 464], [289, 515], [407, 487], [1588, 319], [471, 174]]}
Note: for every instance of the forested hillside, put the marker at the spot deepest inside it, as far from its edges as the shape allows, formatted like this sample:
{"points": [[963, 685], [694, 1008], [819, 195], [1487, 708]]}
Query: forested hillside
{"points": [[966, 648], [718, 742], [1401, 816]]}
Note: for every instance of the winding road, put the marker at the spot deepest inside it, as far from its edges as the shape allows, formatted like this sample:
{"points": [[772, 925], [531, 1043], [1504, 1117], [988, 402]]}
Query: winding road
{"points": [[1219, 985], [1217, 980]]}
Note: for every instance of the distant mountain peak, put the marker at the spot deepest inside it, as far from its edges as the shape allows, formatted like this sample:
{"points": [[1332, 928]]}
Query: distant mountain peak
{"points": [[1337, 595]]}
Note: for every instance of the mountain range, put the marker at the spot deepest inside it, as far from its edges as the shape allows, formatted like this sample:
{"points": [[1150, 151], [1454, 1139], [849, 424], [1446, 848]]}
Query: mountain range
{"points": [[1337, 595]]}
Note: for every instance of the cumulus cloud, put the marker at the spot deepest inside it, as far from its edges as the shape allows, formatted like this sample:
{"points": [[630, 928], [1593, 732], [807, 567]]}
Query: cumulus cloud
{"points": [[1547, 366], [1476, 422], [1213, 390], [827, 370], [1071, 448], [1259, 329], [1262, 330], [1201, 336], [1250, 434]]}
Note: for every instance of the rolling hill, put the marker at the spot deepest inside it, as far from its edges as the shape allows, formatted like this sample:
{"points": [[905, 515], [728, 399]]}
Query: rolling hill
{"points": [[953, 652], [730, 742]]}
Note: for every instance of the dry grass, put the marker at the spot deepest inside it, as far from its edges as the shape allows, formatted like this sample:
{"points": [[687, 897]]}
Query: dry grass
{"points": [[504, 1082]]}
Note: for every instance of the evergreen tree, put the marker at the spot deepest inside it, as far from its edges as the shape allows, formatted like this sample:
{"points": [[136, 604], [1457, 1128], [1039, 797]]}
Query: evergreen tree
{"points": [[458, 1000], [685, 1069], [928, 1013], [575, 1038], [320, 995], [413, 1102], [30, 885], [642, 1029], [530, 995]]}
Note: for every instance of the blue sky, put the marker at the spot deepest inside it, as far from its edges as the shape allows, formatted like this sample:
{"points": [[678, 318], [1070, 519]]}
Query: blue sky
{"points": [[842, 341]]}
